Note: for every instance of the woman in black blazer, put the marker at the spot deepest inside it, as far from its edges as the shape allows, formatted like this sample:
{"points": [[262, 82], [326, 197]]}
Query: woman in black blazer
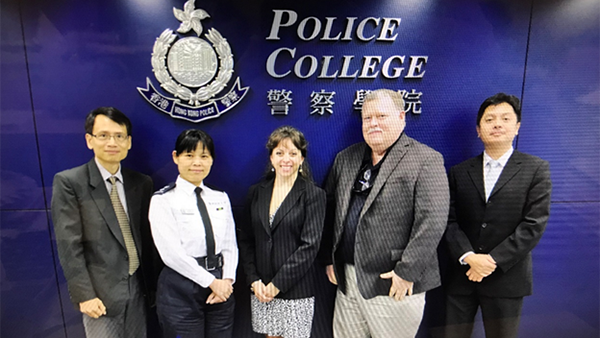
{"points": [[280, 237]]}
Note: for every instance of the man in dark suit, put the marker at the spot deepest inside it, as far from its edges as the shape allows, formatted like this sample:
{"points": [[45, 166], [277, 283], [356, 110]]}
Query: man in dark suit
{"points": [[100, 215], [500, 202], [389, 197]]}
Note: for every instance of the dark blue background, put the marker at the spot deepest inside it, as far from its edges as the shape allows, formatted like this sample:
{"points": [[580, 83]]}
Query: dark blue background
{"points": [[60, 59]]}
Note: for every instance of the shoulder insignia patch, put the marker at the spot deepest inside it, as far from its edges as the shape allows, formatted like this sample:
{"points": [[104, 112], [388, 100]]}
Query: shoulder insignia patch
{"points": [[166, 188]]}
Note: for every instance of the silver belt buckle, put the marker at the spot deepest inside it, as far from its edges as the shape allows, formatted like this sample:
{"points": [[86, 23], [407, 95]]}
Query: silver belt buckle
{"points": [[207, 263]]}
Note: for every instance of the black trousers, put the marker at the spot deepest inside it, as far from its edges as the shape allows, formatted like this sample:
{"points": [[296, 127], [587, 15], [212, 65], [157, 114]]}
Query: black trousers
{"points": [[501, 316], [183, 312], [131, 323]]}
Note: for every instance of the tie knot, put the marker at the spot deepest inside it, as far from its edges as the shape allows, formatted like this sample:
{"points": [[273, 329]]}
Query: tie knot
{"points": [[493, 164], [113, 180], [198, 190]]}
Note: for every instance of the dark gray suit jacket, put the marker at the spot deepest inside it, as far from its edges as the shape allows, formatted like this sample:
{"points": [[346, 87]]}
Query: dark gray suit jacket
{"points": [[285, 252], [507, 227], [403, 218], [89, 240]]}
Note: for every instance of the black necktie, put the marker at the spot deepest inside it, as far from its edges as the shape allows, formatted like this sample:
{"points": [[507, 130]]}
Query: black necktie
{"points": [[210, 237]]}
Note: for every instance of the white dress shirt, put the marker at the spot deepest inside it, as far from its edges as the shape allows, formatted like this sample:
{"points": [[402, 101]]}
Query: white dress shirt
{"points": [[179, 235], [492, 169], [120, 188]]}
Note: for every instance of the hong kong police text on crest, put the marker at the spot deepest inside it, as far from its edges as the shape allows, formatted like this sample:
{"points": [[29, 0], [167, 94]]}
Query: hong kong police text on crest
{"points": [[193, 71]]}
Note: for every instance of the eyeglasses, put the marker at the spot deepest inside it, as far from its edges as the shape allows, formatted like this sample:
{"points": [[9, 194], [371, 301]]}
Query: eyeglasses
{"points": [[103, 137]]}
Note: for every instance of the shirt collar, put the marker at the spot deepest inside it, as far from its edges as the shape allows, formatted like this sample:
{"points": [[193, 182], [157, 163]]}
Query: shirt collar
{"points": [[502, 160], [187, 187], [106, 174]]}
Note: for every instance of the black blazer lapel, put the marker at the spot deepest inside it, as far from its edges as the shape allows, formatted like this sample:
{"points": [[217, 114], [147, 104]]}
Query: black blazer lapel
{"points": [[387, 167], [133, 195], [476, 174], [263, 202], [513, 166], [289, 201], [102, 199], [349, 169]]}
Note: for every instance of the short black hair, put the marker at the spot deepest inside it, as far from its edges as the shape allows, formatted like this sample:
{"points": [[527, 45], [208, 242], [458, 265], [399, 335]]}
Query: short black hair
{"points": [[498, 99], [112, 113], [188, 140]]}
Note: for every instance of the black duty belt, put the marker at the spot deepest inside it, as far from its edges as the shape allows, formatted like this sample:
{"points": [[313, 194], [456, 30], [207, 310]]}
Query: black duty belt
{"points": [[209, 265]]}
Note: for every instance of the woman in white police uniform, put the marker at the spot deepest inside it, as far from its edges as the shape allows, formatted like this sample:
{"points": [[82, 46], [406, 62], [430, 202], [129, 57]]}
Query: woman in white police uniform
{"points": [[194, 232]]}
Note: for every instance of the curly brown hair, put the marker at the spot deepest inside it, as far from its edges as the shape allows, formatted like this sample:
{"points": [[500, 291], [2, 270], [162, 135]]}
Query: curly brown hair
{"points": [[299, 141]]}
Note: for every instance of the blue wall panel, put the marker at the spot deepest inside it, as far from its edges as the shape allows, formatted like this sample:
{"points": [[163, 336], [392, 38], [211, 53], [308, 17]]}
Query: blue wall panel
{"points": [[562, 97], [566, 275], [100, 53], [30, 301], [20, 173]]}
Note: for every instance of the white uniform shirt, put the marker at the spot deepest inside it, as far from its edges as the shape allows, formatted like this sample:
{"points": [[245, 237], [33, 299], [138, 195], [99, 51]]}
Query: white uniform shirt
{"points": [[179, 235]]}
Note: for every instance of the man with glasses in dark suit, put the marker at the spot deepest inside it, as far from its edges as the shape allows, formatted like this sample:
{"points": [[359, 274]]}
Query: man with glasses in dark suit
{"points": [[100, 215]]}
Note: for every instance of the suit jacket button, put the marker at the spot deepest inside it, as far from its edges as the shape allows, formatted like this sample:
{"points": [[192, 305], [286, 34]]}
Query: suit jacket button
{"points": [[480, 248], [484, 225]]}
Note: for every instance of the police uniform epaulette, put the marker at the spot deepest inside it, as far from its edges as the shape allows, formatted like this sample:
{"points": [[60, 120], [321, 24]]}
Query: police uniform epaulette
{"points": [[213, 187], [166, 188]]}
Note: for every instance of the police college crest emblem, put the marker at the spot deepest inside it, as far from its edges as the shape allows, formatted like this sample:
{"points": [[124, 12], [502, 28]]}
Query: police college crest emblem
{"points": [[193, 69]]}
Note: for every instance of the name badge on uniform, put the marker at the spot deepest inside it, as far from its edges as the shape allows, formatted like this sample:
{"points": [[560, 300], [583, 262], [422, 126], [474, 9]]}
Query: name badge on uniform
{"points": [[187, 211], [218, 206]]}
